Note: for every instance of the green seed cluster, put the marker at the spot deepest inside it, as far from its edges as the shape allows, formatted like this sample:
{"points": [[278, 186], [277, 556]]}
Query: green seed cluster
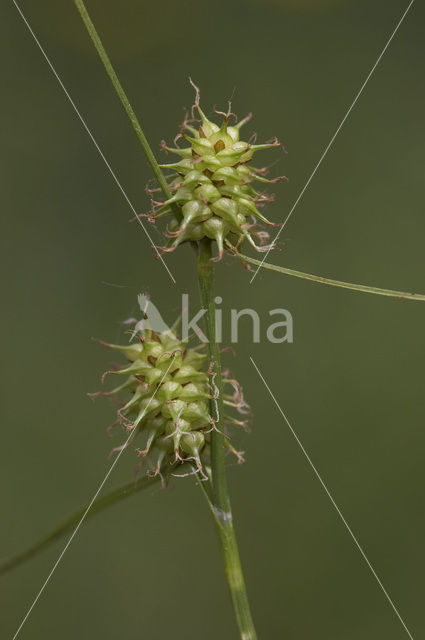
{"points": [[170, 399], [213, 186]]}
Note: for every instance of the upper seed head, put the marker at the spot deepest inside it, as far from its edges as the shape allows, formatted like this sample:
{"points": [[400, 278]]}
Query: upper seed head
{"points": [[213, 184]]}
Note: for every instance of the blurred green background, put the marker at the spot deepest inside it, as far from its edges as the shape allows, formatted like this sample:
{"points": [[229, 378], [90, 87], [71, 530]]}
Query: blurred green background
{"points": [[352, 383]]}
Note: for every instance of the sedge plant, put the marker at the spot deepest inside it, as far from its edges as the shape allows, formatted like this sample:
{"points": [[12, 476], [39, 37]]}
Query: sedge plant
{"points": [[175, 397]]}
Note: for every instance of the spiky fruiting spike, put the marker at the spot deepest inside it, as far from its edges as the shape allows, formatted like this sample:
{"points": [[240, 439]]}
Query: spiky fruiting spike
{"points": [[182, 167], [228, 175], [131, 351], [184, 153], [193, 443], [217, 229], [228, 210], [196, 178], [210, 162], [170, 395], [212, 169], [194, 211]]}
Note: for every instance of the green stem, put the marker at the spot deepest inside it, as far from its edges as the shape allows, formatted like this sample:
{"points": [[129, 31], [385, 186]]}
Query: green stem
{"points": [[219, 501], [101, 503], [126, 104], [206, 285], [334, 283]]}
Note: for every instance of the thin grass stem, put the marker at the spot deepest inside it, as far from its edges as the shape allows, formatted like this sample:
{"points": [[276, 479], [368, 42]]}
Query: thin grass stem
{"points": [[101, 503], [334, 283], [126, 104]]}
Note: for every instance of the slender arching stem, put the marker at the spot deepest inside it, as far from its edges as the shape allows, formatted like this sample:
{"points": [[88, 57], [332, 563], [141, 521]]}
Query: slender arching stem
{"points": [[218, 499], [126, 104], [101, 503], [334, 283]]}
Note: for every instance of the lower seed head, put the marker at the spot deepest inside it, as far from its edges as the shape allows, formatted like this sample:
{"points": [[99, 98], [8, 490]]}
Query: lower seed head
{"points": [[169, 404]]}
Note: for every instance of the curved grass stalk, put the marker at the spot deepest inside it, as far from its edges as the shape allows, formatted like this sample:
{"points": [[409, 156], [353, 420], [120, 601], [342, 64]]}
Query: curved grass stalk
{"points": [[126, 104], [101, 503], [218, 497], [334, 283]]}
